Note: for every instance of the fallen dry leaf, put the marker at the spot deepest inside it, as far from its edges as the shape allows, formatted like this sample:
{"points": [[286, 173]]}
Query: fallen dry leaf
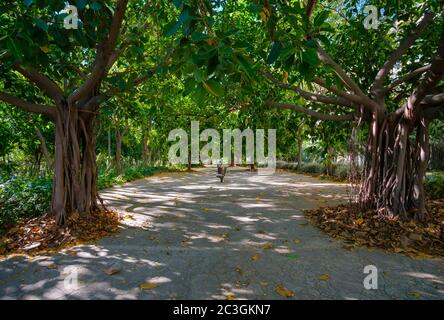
{"points": [[324, 277], [148, 286], [43, 235], [284, 292], [415, 294], [297, 241], [111, 271], [267, 246], [230, 297], [378, 229], [256, 257]]}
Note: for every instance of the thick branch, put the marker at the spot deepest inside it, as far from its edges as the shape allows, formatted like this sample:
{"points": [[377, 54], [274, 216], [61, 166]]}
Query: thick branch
{"points": [[333, 89], [28, 106], [406, 78], [44, 83], [324, 57], [433, 100], [308, 95], [366, 101], [310, 7], [398, 53], [104, 52], [434, 113], [312, 113], [431, 79]]}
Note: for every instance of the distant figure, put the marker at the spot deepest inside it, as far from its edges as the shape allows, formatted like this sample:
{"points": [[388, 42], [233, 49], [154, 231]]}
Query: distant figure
{"points": [[221, 171]]}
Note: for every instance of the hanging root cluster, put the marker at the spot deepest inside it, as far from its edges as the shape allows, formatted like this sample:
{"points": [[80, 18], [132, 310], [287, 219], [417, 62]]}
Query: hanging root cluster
{"points": [[397, 157], [75, 170], [388, 208]]}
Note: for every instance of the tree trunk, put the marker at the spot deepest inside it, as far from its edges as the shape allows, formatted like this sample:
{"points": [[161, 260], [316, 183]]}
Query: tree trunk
{"points": [[145, 154], [330, 158], [75, 171], [108, 161], [43, 147], [118, 158], [299, 148], [395, 167]]}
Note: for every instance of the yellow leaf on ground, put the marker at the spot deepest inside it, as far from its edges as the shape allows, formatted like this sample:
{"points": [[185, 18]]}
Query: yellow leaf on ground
{"points": [[297, 241], [205, 209], [267, 246], [148, 286], [415, 294], [359, 221], [256, 257], [324, 277], [284, 292], [230, 297]]}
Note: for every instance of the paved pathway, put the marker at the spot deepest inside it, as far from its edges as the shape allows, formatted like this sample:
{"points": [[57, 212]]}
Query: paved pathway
{"points": [[199, 239]]}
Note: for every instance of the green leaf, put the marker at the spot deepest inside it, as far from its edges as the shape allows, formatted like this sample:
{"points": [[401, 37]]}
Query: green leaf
{"points": [[254, 8], [274, 52], [178, 3], [96, 6], [245, 65], [310, 56], [199, 75], [320, 18], [80, 4], [41, 24], [214, 87], [198, 36], [14, 49], [172, 28]]}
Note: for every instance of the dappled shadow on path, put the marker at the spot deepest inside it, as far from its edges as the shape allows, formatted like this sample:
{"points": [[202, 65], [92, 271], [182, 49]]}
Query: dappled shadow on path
{"points": [[198, 238]]}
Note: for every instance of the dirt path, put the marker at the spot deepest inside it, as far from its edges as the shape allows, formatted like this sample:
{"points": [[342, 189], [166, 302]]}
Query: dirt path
{"points": [[199, 239]]}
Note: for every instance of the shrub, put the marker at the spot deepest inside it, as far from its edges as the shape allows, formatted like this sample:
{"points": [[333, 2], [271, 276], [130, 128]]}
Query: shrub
{"points": [[434, 185], [27, 197], [23, 197], [313, 168], [341, 171]]}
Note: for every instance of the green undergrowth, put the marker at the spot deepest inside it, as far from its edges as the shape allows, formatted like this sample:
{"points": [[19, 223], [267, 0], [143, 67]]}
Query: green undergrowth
{"points": [[24, 197]]}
